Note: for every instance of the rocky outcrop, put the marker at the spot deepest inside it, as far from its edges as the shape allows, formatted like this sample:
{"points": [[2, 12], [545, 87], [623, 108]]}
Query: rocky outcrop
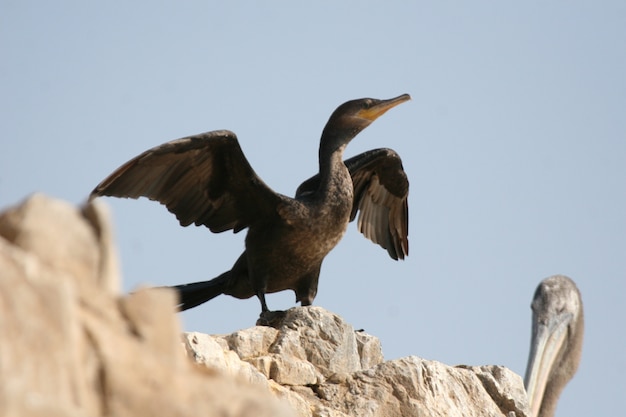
{"points": [[72, 346], [322, 367]]}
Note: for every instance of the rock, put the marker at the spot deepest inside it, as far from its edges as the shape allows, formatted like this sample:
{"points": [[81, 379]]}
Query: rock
{"points": [[312, 334], [413, 386], [503, 386], [296, 402], [251, 343], [370, 351], [71, 346], [286, 370], [97, 215], [340, 372], [57, 234], [208, 351]]}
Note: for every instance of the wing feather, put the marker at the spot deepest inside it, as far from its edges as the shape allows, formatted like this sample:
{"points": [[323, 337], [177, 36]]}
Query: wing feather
{"points": [[381, 190], [203, 179]]}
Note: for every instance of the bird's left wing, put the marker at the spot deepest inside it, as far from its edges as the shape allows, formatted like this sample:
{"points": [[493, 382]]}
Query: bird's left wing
{"points": [[381, 190]]}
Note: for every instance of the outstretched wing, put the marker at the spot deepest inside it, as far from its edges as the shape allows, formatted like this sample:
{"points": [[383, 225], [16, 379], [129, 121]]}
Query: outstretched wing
{"points": [[203, 179], [381, 189]]}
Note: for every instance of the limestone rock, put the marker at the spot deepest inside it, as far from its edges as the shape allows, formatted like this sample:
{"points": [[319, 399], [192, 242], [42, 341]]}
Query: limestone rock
{"points": [[319, 337], [251, 343], [370, 351], [208, 351], [77, 242], [97, 215], [346, 374], [413, 386], [71, 347]]}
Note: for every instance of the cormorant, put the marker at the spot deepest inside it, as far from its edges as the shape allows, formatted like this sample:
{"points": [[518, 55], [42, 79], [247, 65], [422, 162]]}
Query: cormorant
{"points": [[206, 180], [556, 343]]}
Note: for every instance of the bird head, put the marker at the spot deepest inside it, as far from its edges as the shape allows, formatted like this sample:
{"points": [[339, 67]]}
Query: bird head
{"points": [[556, 342], [355, 115]]}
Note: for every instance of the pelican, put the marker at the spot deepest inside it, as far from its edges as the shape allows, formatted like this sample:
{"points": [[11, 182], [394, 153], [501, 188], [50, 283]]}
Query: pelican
{"points": [[556, 343]]}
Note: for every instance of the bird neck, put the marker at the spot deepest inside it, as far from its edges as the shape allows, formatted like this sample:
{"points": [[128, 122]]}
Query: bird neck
{"points": [[333, 172]]}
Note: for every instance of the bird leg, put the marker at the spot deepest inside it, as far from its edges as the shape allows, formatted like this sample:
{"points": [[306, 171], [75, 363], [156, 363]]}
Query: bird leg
{"points": [[261, 295], [267, 317], [307, 288]]}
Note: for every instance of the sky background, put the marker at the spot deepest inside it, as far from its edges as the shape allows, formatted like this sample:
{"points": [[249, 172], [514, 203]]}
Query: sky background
{"points": [[514, 144]]}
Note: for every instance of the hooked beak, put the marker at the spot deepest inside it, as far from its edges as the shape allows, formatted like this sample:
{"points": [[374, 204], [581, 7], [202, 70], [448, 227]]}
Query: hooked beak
{"points": [[378, 109], [547, 340]]}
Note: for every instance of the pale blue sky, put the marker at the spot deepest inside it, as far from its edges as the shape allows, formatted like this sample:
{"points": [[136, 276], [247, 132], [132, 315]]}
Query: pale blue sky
{"points": [[514, 144]]}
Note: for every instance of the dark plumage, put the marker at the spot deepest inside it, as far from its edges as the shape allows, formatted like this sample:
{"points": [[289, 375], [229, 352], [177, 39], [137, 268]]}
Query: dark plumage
{"points": [[206, 180], [556, 343]]}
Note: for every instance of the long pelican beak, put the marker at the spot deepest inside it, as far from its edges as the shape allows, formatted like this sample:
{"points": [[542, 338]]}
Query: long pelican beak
{"points": [[378, 109], [547, 340]]}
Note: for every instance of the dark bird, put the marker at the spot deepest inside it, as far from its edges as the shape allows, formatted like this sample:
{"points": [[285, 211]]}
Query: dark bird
{"points": [[206, 180], [556, 343]]}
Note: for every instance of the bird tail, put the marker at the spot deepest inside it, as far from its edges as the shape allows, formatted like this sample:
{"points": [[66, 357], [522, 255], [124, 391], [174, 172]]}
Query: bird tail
{"points": [[196, 293]]}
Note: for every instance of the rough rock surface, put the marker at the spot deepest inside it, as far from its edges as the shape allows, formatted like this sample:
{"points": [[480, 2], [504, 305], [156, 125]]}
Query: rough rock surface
{"points": [[71, 346], [325, 368]]}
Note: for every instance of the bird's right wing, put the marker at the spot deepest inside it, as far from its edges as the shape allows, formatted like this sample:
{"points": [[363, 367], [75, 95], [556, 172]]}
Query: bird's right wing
{"points": [[203, 179], [381, 190]]}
